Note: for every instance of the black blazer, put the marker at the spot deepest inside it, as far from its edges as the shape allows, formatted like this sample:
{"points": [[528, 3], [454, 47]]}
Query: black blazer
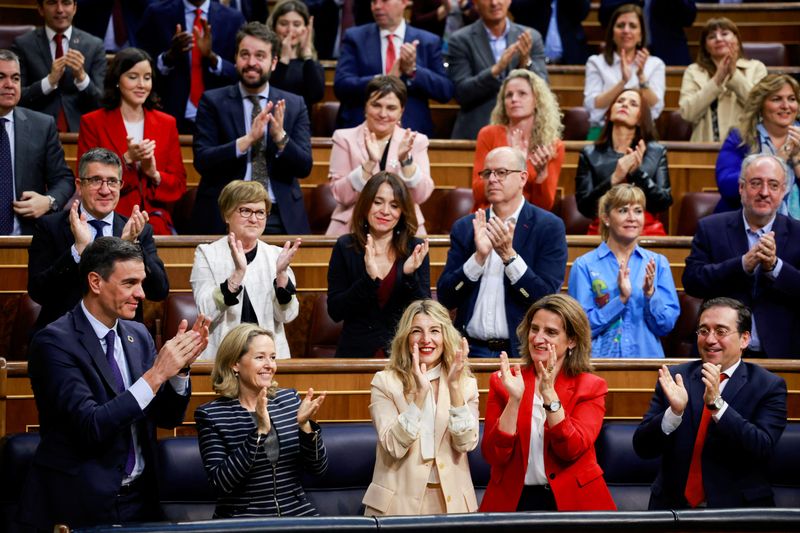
{"points": [[353, 297], [596, 164]]}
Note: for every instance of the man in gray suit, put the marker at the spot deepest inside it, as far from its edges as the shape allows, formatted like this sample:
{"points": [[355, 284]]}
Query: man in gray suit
{"points": [[34, 178], [481, 55], [62, 67]]}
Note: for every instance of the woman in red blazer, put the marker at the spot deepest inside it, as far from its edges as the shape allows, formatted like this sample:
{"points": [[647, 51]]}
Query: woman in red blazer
{"points": [[145, 139], [542, 419]]}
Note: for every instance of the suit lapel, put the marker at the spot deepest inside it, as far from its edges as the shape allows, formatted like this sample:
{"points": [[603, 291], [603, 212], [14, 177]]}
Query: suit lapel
{"points": [[374, 52], [43, 48], [237, 109], [737, 238], [116, 131], [735, 383], [696, 391], [118, 226], [442, 413], [523, 228], [22, 131], [526, 412], [91, 344], [132, 351], [481, 42]]}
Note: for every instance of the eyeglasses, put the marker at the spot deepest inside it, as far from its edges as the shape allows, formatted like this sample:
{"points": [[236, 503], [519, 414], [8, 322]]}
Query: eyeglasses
{"points": [[501, 173], [719, 332], [757, 184], [95, 182], [246, 212]]}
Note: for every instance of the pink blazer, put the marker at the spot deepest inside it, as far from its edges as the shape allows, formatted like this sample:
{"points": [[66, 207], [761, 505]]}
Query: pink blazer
{"points": [[347, 155]]}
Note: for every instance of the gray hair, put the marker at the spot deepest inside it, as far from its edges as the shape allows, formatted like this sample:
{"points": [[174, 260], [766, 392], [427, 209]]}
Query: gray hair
{"points": [[99, 155], [8, 55], [753, 158], [519, 157]]}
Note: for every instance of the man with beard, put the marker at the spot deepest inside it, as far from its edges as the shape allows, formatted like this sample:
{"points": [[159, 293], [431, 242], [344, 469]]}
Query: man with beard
{"points": [[253, 131]]}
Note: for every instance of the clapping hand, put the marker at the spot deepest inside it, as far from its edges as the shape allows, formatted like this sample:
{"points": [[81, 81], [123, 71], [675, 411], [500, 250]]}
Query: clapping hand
{"points": [[262, 415], [455, 372], [79, 227], [370, 258], [483, 244], [501, 235], [406, 143], [639, 61], [649, 287], [414, 261], [540, 156], [373, 146], [674, 390], [284, 259], [511, 378], [418, 370], [308, 409], [624, 282], [628, 163], [135, 224]]}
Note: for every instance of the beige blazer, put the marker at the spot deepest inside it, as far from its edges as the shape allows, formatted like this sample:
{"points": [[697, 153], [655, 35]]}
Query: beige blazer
{"points": [[401, 476], [698, 91]]}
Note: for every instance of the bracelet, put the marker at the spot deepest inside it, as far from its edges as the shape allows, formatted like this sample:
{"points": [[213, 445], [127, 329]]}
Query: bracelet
{"points": [[283, 140], [643, 85], [232, 286]]}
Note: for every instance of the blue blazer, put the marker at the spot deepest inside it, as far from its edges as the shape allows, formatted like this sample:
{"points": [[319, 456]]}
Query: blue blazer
{"points": [[539, 239], [220, 121], [360, 61], [714, 268], [737, 448], [155, 35], [93, 16], [569, 18], [79, 464]]}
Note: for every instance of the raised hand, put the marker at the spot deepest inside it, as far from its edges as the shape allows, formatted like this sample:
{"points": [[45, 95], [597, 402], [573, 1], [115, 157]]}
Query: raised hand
{"points": [[263, 422], [135, 224], [649, 287], [306, 38], [454, 374], [180, 44], [75, 61], [418, 370], [276, 130], [540, 156], [414, 261], [373, 146], [79, 227], [674, 390], [511, 379], [287, 254], [406, 143], [308, 409], [624, 282], [483, 244], [524, 44], [370, 258], [639, 61], [501, 236], [202, 37], [408, 58], [237, 254]]}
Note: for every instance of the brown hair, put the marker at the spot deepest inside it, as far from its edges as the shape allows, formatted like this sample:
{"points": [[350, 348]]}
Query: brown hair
{"points": [[610, 45], [645, 128], [380, 86], [617, 196], [281, 8], [123, 61], [703, 56], [407, 225]]}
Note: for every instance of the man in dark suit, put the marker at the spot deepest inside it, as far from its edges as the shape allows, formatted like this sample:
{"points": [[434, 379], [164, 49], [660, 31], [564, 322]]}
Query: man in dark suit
{"points": [[34, 178], [481, 55], [270, 143], [501, 260], [192, 42], [59, 239], [714, 422], [390, 46], [101, 390], [115, 22], [252, 10], [753, 255], [63, 68], [565, 41]]}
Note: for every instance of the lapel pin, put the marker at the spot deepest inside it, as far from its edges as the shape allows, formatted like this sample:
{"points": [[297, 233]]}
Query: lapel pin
{"points": [[130, 338]]}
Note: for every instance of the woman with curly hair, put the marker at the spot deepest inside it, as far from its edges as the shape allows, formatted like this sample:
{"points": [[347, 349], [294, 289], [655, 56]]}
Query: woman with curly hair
{"points": [[526, 116]]}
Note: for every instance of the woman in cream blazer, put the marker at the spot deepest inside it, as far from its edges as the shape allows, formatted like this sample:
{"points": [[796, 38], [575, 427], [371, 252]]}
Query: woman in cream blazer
{"points": [[424, 406]]}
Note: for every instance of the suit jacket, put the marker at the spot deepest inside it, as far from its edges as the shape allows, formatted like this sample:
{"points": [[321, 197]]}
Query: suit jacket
{"points": [[360, 61], [39, 163], [569, 16], [35, 61], [569, 457], [471, 60], [85, 424], [539, 239], [93, 17], [737, 448], [106, 128], [53, 278], [155, 35], [253, 10], [353, 297], [714, 268], [212, 266], [401, 473], [347, 155], [220, 121]]}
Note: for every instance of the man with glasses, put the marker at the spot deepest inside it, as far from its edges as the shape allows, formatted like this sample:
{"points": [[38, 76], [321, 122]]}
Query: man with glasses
{"points": [[753, 255], [501, 260], [714, 422], [59, 239]]}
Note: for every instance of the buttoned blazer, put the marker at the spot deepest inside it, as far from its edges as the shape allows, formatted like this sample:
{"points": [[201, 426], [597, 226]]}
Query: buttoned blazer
{"points": [[714, 268], [470, 62], [360, 61], [85, 423], [53, 278], [570, 463], [220, 121], [539, 239], [213, 265], [35, 62], [401, 474], [737, 448]]}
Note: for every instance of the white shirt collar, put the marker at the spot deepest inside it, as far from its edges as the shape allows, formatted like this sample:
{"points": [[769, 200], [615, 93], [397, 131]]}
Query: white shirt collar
{"points": [[263, 94], [189, 8], [399, 32], [100, 329], [515, 214], [51, 33], [108, 219]]}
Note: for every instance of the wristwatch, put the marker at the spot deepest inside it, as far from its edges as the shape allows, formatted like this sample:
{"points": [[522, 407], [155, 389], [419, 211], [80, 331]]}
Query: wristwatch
{"points": [[552, 407], [510, 260], [53, 203], [716, 405], [407, 161]]}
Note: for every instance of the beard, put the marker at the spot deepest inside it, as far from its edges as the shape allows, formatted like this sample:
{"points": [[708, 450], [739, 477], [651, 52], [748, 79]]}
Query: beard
{"points": [[263, 79]]}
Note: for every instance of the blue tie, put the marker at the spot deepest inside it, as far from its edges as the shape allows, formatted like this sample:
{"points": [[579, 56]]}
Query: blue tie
{"points": [[112, 362], [6, 182], [98, 225]]}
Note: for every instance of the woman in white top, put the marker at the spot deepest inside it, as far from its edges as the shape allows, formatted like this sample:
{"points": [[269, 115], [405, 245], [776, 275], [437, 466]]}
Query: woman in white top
{"points": [[624, 64]]}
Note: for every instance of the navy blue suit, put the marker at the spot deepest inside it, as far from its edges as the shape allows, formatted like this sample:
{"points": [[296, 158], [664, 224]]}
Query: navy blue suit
{"points": [[79, 465], [93, 17], [570, 14], [737, 448], [155, 35], [360, 61], [539, 239], [220, 121], [714, 268]]}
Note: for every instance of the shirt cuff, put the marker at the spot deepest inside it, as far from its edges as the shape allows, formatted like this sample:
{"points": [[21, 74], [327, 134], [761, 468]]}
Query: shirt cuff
{"points": [[142, 393], [162, 66], [516, 269], [716, 416], [284, 294], [472, 269], [84, 84], [410, 419], [414, 179], [461, 420], [775, 272], [355, 178], [230, 298], [46, 87], [180, 384], [217, 69], [670, 422], [75, 255]]}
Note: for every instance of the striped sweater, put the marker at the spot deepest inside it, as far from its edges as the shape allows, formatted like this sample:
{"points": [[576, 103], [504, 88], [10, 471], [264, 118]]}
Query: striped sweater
{"points": [[246, 482]]}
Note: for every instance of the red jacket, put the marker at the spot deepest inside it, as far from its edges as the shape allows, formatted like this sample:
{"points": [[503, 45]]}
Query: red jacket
{"points": [[569, 459]]}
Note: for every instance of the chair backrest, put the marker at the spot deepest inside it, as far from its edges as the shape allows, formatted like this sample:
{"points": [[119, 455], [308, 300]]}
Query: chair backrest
{"points": [[672, 127], [184, 491], [576, 124], [444, 207], [694, 206], [323, 119], [771, 54], [177, 306], [10, 32], [319, 206], [784, 468], [323, 332], [27, 314], [574, 222], [682, 340], [182, 211]]}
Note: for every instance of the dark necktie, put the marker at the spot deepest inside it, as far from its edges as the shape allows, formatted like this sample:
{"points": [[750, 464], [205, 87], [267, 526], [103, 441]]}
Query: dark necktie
{"points": [[112, 362], [196, 88], [6, 182], [258, 151], [98, 225], [61, 119], [120, 31]]}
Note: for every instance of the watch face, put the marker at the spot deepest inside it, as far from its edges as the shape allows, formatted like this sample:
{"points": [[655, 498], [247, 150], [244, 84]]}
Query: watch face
{"points": [[555, 406]]}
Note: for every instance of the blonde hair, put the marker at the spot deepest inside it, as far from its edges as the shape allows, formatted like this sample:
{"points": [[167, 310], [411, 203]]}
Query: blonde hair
{"points": [[401, 361], [617, 196], [547, 125], [751, 115], [240, 192], [236, 343]]}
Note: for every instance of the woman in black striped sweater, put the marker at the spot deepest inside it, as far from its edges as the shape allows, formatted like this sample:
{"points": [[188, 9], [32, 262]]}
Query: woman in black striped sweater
{"points": [[257, 439]]}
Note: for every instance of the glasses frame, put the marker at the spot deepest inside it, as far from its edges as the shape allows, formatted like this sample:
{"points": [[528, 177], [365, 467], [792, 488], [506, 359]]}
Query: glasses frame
{"points": [[717, 335], [261, 214], [96, 182], [500, 173]]}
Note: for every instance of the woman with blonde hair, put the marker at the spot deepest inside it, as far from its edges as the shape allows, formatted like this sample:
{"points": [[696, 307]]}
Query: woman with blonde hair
{"points": [[257, 440], [424, 406], [627, 291], [526, 116]]}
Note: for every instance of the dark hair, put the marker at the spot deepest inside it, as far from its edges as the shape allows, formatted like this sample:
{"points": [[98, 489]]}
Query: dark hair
{"points": [[123, 61], [703, 57], [645, 129], [102, 255], [744, 318], [380, 86], [291, 6], [407, 225], [610, 45], [260, 31], [99, 155]]}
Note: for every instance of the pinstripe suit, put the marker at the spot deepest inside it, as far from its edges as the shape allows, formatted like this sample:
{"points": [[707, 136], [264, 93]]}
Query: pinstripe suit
{"points": [[247, 484]]}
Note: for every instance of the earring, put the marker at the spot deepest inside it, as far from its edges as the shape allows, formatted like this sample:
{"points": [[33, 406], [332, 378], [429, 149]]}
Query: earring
{"points": [[236, 373]]}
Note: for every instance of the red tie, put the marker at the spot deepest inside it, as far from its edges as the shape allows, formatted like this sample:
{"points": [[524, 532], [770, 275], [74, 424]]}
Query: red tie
{"points": [[390, 54], [61, 119], [197, 87], [694, 492]]}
